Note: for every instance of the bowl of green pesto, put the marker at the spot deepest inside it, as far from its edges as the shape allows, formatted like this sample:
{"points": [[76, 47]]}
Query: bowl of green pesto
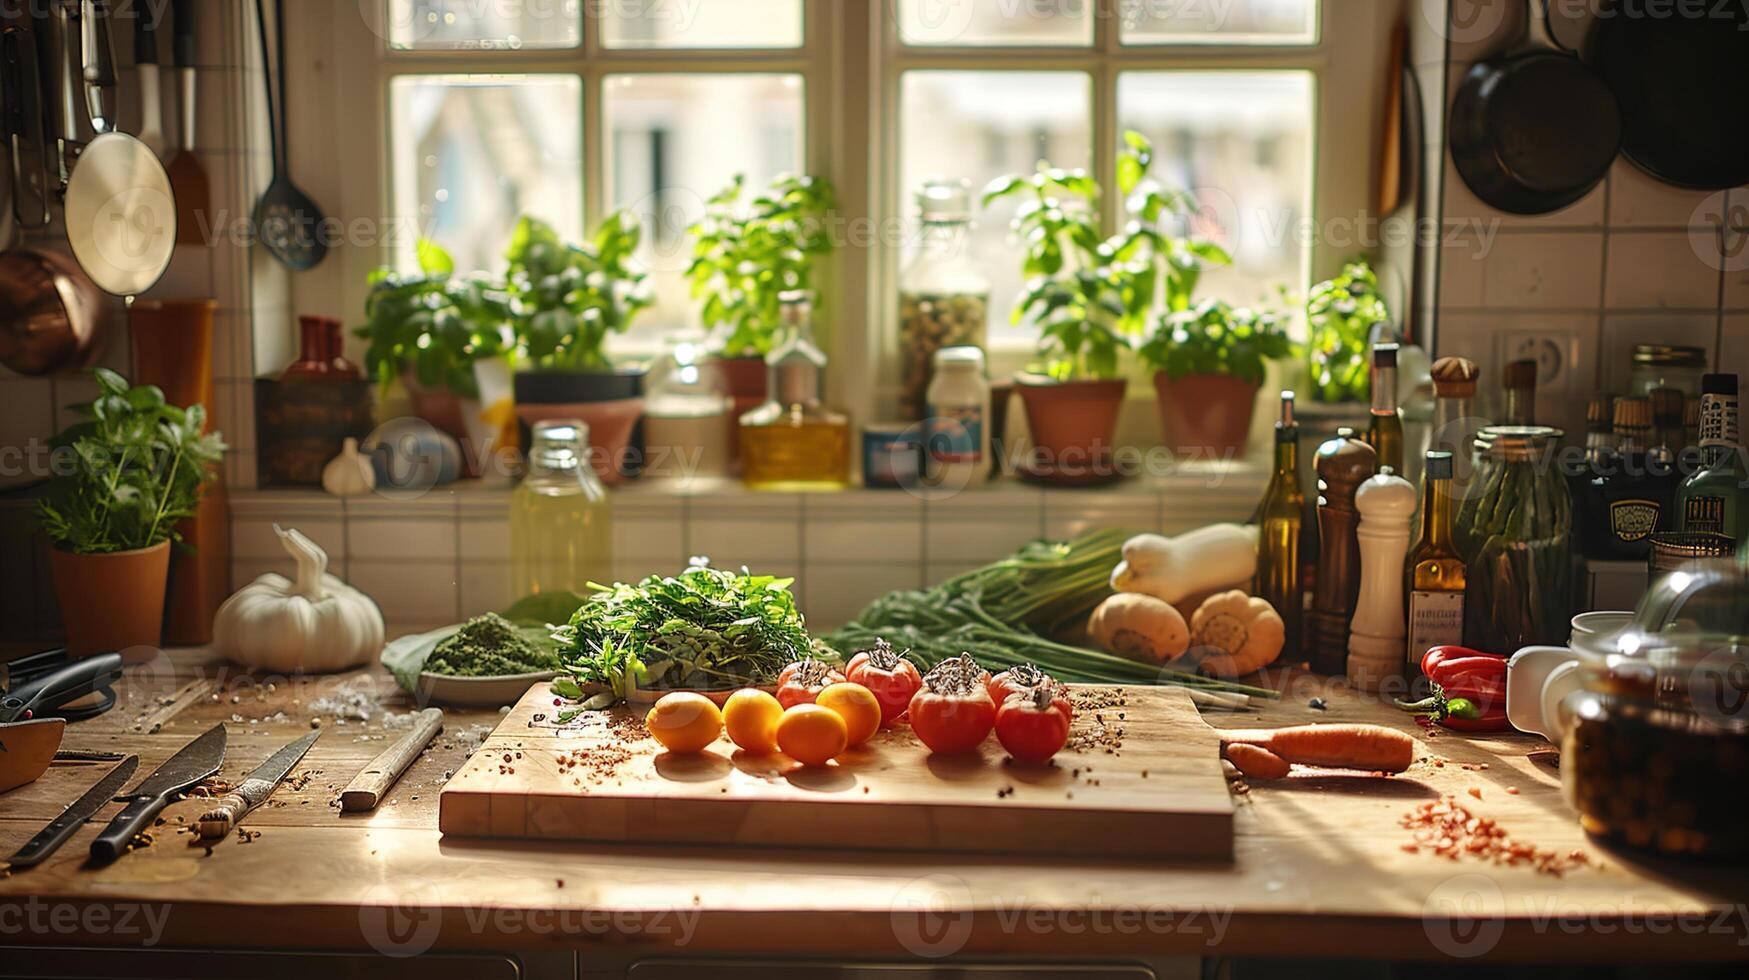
{"points": [[488, 661]]}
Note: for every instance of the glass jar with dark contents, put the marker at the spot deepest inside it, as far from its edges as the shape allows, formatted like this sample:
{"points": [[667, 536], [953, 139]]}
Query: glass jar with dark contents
{"points": [[1656, 751]]}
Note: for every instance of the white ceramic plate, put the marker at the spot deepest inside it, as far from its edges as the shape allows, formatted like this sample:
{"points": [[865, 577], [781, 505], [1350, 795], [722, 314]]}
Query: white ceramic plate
{"points": [[477, 692]]}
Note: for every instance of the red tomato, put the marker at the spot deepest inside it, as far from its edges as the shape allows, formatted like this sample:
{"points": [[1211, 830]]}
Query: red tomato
{"points": [[1023, 679], [885, 671], [802, 682], [953, 712], [1033, 729]]}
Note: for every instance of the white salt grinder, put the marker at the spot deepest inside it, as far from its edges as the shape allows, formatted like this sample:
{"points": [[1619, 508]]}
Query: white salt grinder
{"points": [[1376, 634]]}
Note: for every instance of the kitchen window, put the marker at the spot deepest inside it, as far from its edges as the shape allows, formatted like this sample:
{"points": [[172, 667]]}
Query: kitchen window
{"points": [[567, 109]]}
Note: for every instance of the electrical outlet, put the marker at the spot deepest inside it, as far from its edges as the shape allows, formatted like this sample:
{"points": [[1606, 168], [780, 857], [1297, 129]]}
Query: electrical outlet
{"points": [[1556, 352]]}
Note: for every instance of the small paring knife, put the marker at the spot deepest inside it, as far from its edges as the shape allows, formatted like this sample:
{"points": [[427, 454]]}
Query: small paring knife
{"points": [[253, 790], [49, 839]]}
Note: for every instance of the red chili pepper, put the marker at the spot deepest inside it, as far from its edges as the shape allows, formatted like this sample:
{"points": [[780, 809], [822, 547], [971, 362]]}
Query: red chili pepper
{"points": [[1471, 681]]}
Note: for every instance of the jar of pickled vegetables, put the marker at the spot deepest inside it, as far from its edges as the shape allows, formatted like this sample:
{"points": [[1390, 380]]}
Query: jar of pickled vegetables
{"points": [[944, 300], [1655, 753], [1518, 536]]}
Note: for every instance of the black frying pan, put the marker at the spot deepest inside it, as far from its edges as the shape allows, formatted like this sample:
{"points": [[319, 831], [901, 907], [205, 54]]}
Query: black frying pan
{"points": [[1681, 74], [1533, 129]]}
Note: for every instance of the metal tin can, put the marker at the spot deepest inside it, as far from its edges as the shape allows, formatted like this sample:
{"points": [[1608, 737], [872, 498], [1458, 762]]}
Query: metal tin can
{"points": [[892, 455]]}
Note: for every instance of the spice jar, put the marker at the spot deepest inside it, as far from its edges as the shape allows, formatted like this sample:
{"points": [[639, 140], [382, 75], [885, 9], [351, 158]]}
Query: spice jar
{"points": [[1655, 753], [944, 301], [1520, 570]]}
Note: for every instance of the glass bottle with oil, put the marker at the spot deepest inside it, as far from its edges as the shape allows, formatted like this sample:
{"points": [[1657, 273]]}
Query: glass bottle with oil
{"points": [[1384, 431], [1436, 570], [1280, 521], [560, 538], [793, 442]]}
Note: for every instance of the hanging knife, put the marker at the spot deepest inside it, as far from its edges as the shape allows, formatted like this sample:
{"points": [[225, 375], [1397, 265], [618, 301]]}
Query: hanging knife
{"points": [[197, 760], [253, 790], [37, 850]]}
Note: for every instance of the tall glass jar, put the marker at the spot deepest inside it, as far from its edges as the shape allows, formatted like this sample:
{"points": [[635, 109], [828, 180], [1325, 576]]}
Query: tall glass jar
{"points": [[944, 301], [1663, 366], [1520, 572], [560, 536]]}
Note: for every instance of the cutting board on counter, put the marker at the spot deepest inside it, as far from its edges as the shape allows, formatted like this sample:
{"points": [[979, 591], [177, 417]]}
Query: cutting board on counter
{"points": [[1141, 779]]}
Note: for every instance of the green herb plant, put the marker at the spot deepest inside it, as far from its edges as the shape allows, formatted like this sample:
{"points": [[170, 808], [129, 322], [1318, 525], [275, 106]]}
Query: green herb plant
{"points": [[1214, 338], [435, 324], [1340, 316], [745, 256], [706, 628], [1090, 296], [570, 298], [129, 471]]}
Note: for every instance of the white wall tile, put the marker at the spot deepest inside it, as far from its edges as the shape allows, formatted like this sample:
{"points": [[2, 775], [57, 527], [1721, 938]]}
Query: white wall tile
{"points": [[254, 539], [981, 527], [830, 539], [485, 587], [661, 538], [759, 543], [1621, 333], [1661, 270], [1544, 271], [484, 540], [836, 593], [385, 539], [1736, 249], [1638, 200], [410, 594], [1072, 515]]}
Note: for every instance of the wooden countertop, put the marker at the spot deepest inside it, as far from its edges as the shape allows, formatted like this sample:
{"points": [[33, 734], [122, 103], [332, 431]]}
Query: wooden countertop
{"points": [[1320, 869]]}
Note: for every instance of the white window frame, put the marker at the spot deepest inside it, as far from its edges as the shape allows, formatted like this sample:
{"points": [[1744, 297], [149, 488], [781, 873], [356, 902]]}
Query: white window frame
{"points": [[851, 62]]}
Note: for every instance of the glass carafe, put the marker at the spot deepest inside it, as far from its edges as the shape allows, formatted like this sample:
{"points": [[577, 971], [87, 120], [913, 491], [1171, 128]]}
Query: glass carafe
{"points": [[944, 301], [560, 536], [689, 423]]}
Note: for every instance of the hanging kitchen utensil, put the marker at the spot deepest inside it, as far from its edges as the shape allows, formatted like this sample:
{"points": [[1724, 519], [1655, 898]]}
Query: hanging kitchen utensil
{"points": [[196, 761], [48, 840], [1391, 156], [146, 70], [31, 207], [1682, 82], [287, 220], [188, 179], [1534, 129], [121, 219]]}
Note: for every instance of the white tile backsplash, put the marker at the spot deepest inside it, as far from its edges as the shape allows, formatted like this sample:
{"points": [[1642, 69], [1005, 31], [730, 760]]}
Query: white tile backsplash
{"points": [[1622, 332], [418, 541], [1663, 270], [411, 594], [1557, 270], [837, 592], [1638, 200]]}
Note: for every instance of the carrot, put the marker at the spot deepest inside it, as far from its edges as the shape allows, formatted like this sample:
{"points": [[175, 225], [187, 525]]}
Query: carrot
{"points": [[1371, 747], [1255, 762]]}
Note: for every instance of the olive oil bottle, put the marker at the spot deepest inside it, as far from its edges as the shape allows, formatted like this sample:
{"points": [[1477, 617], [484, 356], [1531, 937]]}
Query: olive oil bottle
{"points": [[560, 538], [794, 442], [1280, 522], [1384, 433], [1715, 499], [1436, 570]]}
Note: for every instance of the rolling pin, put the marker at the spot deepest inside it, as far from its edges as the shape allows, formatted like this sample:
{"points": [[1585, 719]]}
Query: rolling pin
{"points": [[367, 788]]}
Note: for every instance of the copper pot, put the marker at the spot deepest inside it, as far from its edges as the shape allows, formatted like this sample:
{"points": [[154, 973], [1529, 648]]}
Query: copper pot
{"points": [[49, 313]]}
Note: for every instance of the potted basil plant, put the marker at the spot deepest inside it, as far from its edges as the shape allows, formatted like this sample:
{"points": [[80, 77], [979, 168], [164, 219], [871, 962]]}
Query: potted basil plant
{"points": [[123, 477], [1341, 317], [567, 300], [1210, 361]]}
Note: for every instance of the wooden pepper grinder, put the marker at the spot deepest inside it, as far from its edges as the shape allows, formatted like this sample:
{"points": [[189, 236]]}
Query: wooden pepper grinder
{"points": [[1343, 464], [1375, 637]]}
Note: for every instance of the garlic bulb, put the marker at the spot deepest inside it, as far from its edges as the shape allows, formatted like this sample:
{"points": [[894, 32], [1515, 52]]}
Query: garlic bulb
{"points": [[313, 624], [349, 474]]}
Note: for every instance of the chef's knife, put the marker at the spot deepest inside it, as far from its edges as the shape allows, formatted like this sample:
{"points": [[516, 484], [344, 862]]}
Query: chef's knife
{"points": [[253, 790], [36, 850], [197, 760]]}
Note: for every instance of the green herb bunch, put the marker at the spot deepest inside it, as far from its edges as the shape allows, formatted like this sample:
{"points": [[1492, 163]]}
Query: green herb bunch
{"points": [[1091, 295], [136, 467], [435, 324], [706, 628], [1340, 316], [744, 256], [1214, 338], [570, 298]]}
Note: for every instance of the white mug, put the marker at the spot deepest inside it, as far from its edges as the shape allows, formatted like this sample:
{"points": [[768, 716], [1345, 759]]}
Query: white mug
{"points": [[1538, 678]]}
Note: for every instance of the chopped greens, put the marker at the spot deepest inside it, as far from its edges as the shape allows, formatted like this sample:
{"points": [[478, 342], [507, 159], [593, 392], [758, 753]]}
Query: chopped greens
{"points": [[492, 646]]}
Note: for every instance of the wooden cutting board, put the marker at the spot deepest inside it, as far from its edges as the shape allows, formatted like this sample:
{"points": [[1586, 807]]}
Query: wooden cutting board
{"points": [[1141, 779]]}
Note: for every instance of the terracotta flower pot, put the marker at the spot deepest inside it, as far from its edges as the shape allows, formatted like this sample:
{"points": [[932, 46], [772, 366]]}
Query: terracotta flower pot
{"points": [[1209, 414], [1073, 425], [111, 602], [610, 403], [446, 412]]}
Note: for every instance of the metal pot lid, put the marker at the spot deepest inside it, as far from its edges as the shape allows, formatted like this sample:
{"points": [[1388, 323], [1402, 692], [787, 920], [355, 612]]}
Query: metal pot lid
{"points": [[121, 215]]}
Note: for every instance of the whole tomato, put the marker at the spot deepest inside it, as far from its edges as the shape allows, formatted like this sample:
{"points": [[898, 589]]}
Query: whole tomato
{"points": [[802, 682], [1033, 727], [953, 712], [885, 671], [1021, 679]]}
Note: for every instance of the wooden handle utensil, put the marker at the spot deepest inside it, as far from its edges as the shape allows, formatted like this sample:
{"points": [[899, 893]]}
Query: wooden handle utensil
{"points": [[367, 788], [248, 795]]}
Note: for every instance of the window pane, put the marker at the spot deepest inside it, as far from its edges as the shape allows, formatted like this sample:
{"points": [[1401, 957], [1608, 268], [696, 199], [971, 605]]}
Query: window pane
{"points": [[1009, 22], [1241, 142], [980, 126], [1224, 22], [474, 153], [675, 140], [449, 24], [702, 24]]}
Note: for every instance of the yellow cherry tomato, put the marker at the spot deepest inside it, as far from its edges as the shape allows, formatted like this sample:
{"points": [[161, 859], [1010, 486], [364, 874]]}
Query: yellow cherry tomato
{"points": [[684, 722], [811, 735], [750, 716], [857, 705]]}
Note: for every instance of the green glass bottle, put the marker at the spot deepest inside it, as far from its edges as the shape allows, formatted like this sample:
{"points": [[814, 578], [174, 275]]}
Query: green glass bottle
{"points": [[1280, 522], [1715, 498], [1384, 432]]}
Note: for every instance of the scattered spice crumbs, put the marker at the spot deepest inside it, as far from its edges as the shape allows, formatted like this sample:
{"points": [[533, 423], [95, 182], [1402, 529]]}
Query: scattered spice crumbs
{"points": [[1448, 829]]}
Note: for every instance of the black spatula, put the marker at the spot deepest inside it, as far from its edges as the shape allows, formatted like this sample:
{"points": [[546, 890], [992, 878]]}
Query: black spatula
{"points": [[288, 221]]}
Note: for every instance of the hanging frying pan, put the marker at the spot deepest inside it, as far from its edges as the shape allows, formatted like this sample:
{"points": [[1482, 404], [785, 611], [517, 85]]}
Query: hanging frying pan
{"points": [[121, 217], [1534, 129], [1682, 77]]}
